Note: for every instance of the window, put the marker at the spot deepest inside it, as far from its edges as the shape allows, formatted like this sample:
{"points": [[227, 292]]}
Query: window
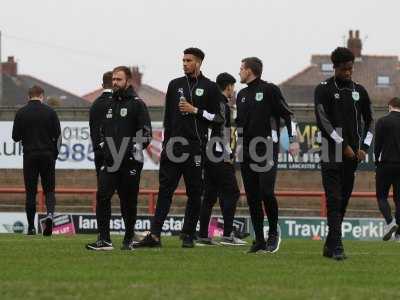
{"points": [[383, 80], [327, 67]]}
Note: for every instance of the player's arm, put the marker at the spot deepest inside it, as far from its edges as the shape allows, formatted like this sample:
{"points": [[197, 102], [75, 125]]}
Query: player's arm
{"points": [[213, 112], [55, 132], [17, 129], [379, 139], [367, 115], [143, 125], [324, 124], [94, 125], [283, 111], [167, 122]]}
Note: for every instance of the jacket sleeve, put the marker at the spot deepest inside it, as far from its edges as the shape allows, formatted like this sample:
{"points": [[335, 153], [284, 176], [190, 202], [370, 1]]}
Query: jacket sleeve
{"points": [[379, 139], [56, 132], [282, 110], [94, 127], [17, 128], [239, 121], [144, 123], [367, 115], [324, 124], [167, 114], [214, 112]]}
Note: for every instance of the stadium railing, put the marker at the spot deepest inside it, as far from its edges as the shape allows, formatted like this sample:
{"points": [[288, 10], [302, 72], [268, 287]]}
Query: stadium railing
{"points": [[152, 194]]}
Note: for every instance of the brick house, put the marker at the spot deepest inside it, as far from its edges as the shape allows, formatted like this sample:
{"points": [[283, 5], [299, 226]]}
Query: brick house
{"points": [[16, 86], [379, 74]]}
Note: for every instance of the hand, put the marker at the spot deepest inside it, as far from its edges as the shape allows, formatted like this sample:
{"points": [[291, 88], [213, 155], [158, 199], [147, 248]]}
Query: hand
{"points": [[138, 153], [349, 153], [361, 155], [186, 107], [294, 149], [238, 153]]}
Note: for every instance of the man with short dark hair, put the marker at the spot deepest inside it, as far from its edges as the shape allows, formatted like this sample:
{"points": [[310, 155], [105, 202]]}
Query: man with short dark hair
{"points": [[219, 172], [260, 108], [191, 105], [387, 159], [126, 131], [341, 107], [37, 126], [97, 115]]}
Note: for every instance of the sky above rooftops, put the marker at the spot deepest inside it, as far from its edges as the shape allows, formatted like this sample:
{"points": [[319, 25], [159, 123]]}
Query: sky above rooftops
{"points": [[72, 43]]}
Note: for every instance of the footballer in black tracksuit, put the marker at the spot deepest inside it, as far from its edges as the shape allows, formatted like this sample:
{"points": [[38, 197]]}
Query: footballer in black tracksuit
{"points": [[97, 114], [260, 107], [219, 176], [387, 158], [341, 109], [125, 117], [205, 96], [37, 126]]}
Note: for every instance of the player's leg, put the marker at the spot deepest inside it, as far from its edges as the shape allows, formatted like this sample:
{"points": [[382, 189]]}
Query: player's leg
{"points": [[47, 175], [128, 189], [107, 186], [193, 176], [254, 201], [31, 175], [169, 176], [332, 182], [383, 182], [209, 200]]}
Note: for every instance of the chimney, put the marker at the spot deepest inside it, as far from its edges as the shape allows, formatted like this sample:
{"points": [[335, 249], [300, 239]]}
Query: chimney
{"points": [[354, 43], [9, 67], [136, 77]]}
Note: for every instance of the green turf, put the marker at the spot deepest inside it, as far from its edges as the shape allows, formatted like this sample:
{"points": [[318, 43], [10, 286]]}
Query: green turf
{"points": [[60, 268]]}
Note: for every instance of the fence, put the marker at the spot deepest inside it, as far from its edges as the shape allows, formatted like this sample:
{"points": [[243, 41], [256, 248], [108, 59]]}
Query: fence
{"points": [[151, 196]]}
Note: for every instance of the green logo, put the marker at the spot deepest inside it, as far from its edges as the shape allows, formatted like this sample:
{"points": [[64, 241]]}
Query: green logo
{"points": [[259, 96], [199, 92], [355, 95]]}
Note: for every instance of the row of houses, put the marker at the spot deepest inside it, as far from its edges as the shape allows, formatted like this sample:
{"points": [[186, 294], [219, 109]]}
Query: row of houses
{"points": [[380, 75]]}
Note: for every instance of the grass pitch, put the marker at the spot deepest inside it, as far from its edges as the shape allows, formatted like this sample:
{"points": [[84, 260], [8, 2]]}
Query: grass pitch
{"points": [[60, 268]]}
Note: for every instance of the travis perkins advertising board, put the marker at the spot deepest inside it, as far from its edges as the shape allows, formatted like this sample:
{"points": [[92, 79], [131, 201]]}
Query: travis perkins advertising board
{"points": [[317, 228]]}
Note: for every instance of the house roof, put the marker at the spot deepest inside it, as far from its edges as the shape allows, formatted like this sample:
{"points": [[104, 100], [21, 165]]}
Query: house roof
{"points": [[367, 69], [300, 87], [15, 91]]}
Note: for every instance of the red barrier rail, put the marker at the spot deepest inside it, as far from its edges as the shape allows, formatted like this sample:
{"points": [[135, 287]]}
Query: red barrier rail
{"points": [[153, 193]]}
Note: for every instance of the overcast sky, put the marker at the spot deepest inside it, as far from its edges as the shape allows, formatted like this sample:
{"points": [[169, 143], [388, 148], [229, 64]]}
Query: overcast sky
{"points": [[71, 43]]}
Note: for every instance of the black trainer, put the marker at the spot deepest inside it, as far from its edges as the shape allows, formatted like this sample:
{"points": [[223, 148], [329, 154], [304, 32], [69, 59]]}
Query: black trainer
{"points": [[205, 242], [100, 245], [340, 246], [338, 254], [148, 241], [128, 245], [31, 231], [258, 247], [48, 227], [187, 241], [327, 252], [273, 242], [241, 235]]}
